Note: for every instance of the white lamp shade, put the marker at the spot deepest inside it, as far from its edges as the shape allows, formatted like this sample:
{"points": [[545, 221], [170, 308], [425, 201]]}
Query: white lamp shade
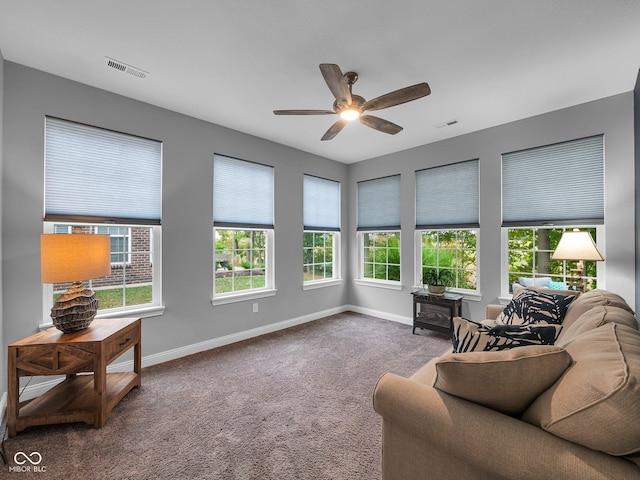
{"points": [[74, 257], [577, 245]]}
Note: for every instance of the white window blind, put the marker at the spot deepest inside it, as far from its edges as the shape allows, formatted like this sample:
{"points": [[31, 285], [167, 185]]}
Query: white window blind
{"points": [[555, 184], [97, 175], [379, 204], [321, 204], [447, 196], [242, 193]]}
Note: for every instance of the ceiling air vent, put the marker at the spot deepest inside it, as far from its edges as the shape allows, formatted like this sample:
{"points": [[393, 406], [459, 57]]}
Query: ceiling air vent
{"points": [[450, 123], [123, 67]]}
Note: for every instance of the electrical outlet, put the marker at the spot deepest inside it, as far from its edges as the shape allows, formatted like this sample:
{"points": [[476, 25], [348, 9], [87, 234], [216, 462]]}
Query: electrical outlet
{"points": [[255, 308]]}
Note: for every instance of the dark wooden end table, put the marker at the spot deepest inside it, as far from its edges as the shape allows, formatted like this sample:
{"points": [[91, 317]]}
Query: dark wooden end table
{"points": [[435, 312]]}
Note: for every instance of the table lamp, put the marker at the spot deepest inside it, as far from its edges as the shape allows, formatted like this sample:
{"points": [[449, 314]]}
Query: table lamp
{"points": [[73, 258], [577, 245]]}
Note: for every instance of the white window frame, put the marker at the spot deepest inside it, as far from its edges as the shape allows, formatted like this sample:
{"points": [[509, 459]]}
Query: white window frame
{"points": [[468, 293], [153, 309], [504, 240], [335, 279], [127, 253], [268, 290], [361, 280]]}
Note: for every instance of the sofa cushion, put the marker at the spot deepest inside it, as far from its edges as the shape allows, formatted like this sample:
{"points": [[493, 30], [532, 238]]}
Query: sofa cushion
{"points": [[594, 318], [595, 402], [557, 285], [533, 306], [591, 299], [575, 293], [506, 381], [530, 282], [470, 336]]}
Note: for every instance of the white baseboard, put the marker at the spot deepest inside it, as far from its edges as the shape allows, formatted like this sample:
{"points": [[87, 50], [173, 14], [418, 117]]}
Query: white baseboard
{"points": [[236, 337], [33, 391], [377, 313], [3, 404]]}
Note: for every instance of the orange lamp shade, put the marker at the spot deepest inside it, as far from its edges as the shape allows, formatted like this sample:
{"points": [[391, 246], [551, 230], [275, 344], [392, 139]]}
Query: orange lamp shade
{"points": [[74, 257]]}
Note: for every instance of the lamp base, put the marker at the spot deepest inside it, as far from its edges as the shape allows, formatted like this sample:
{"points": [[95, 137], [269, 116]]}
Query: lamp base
{"points": [[75, 309], [576, 280]]}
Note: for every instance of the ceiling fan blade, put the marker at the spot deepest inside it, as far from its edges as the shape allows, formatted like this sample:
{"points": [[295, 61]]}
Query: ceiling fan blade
{"points": [[334, 129], [336, 83], [398, 97], [304, 112], [380, 124]]}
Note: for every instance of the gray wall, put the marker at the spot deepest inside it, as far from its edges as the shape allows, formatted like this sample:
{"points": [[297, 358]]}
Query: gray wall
{"points": [[636, 127], [612, 116], [3, 369], [189, 144], [187, 239]]}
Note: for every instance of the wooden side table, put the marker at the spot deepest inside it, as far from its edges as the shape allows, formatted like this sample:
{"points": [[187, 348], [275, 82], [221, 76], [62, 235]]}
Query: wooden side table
{"points": [[435, 312], [85, 398]]}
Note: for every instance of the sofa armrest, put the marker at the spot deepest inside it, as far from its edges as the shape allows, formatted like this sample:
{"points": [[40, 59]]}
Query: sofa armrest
{"points": [[430, 434], [493, 311]]}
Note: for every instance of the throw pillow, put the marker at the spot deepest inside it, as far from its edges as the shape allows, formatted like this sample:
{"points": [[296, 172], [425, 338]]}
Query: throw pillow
{"points": [[530, 282], [506, 381], [470, 336], [533, 306], [557, 286]]}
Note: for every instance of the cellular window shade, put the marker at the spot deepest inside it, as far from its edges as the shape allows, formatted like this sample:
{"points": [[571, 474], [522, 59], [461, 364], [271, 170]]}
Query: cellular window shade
{"points": [[321, 199], [555, 184], [379, 204], [447, 196], [92, 174], [242, 193]]}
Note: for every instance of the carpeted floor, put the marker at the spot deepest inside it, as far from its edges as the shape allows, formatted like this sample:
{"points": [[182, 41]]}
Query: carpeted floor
{"points": [[294, 404]]}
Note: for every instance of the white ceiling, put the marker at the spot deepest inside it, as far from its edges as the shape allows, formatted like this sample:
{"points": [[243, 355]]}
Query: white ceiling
{"points": [[232, 62]]}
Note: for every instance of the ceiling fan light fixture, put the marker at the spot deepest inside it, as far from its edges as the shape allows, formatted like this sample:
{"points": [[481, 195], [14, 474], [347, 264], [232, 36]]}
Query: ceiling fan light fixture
{"points": [[350, 106], [349, 114]]}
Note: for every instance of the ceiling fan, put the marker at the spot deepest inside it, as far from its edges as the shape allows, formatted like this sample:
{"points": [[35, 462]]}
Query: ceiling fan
{"points": [[350, 106]]}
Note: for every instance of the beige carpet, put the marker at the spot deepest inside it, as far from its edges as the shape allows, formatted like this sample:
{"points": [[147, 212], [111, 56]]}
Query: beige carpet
{"points": [[295, 404]]}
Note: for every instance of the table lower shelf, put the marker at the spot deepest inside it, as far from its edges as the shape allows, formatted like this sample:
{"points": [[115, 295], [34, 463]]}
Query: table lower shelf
{"points": [[433, 321], [74, 400]]}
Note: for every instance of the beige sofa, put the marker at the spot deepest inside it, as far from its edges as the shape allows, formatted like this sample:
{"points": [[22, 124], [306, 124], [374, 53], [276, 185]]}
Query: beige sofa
{"points": [[585, 425]]}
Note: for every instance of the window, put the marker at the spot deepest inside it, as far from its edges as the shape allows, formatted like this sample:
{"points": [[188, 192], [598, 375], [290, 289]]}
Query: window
{"points": [[95, 176], [321, 199], [447, 221], [453, 250], [318, 254], [530, 251], [130, 283], [243, 229], [240, 260], [379, 230], [120, 243], [381, 256], [546, 190]]}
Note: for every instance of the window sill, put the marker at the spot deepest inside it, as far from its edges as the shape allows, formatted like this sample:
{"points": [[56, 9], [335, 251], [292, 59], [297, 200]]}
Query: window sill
{"points": [[141, 312], [378, 284], [241, 297], [468, 295], [321, 284], [471, 295], [504, 300]]}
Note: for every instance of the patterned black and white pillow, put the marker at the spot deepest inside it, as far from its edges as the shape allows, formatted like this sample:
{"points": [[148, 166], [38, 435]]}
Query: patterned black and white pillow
{"points": [[470, 336], [532, 306]]}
